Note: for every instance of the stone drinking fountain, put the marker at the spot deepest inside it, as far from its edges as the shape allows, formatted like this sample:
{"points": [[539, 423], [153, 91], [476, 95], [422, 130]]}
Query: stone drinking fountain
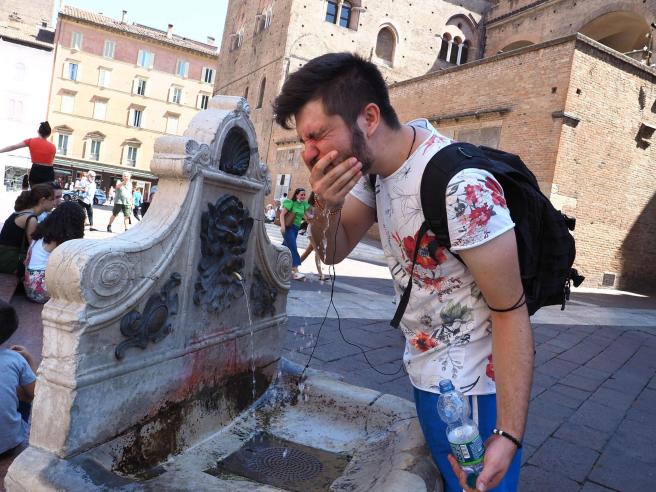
{"points": [[161, 354]]}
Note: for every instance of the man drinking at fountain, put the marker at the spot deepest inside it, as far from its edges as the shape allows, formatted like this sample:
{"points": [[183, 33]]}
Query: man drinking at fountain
{"points": [[343, 116]]}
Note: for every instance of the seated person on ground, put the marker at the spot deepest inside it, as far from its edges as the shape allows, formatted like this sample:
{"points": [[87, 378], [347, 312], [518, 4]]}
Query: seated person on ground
{"points": [[18, 228], [16, 384], [66, 222]]}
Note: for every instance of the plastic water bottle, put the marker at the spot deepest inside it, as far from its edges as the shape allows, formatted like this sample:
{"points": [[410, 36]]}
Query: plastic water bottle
{"points": [[461, 431]]}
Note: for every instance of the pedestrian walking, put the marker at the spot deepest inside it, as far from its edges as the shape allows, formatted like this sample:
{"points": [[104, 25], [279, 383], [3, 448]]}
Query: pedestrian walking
{"points": [[110, 196], [64, 223], [298, 207], [87, 190], [311, 245], [463, 320], [42, 153], [122, 201], [136, 202]]}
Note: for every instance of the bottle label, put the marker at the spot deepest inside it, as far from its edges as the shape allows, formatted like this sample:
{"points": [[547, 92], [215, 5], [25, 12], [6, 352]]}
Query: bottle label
{"points": [[469, 453]]}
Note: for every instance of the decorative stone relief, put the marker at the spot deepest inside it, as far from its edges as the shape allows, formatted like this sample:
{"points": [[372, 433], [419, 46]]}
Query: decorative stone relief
{"points": [[225, 229], [236, 153], [111, 277], [263, 296], [198, 155], [154, 324], [265, 176]]}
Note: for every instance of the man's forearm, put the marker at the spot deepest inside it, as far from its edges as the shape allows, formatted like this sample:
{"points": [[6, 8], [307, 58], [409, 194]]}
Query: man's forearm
{"points": [[512, 355]]}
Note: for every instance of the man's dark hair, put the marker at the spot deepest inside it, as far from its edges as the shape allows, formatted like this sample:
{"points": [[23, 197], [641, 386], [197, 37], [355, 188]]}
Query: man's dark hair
{"points": [[64, 223], [8, 321], [344, 82]]}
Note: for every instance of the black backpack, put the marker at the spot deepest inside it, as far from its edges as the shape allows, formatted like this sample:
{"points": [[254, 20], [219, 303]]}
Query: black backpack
{"points": [[545, 246]]}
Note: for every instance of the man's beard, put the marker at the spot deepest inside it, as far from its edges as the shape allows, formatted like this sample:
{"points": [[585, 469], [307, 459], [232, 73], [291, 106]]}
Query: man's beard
{"points": [[360, 150]]}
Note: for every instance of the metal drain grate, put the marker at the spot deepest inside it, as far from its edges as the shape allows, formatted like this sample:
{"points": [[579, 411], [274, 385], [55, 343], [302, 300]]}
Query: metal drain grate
{"points": [[270, 460], [287, 464]]}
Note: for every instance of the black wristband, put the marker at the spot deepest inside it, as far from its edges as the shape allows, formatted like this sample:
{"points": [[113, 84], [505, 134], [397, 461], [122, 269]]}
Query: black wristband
{"points": [[512, 439]]}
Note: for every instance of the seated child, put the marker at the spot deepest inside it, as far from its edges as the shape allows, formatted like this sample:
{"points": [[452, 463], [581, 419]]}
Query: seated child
{"points": [[16, 384], [64, 223]]}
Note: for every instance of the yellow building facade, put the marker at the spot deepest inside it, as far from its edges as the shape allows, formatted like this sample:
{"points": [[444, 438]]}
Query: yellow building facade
{"points": [[116, 87]]}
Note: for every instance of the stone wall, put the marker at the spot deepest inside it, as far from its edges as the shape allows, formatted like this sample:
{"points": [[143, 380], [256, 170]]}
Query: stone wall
{"points": [[519, 94], [299, 32], [31, 12], [605, 175], [571, 108], [512, 20]]}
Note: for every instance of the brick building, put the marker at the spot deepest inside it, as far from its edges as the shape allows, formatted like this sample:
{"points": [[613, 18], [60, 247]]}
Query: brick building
{"points": [[579, 108], [116, 87], [264, 40], [26, 51]]}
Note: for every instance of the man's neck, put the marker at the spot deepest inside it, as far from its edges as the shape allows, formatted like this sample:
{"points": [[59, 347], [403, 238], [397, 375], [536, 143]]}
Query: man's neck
{"points": [[394, 148]]}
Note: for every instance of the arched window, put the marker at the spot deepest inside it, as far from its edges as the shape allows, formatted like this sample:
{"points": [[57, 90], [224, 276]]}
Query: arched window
{"points": [[444, 48], [260, 98], [331, 12], [345, 15], [464, 52], [455, 48], [385, 44]]}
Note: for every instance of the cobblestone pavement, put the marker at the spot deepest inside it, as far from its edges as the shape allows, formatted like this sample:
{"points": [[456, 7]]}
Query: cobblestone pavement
{"points": [[591, 419]]}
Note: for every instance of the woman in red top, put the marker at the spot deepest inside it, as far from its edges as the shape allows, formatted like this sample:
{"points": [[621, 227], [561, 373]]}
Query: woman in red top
{"points": [[42, 153]]}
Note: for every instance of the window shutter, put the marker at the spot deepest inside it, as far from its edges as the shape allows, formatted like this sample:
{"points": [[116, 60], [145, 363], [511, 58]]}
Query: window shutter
{"points": [[135, 84], [131, 117]]}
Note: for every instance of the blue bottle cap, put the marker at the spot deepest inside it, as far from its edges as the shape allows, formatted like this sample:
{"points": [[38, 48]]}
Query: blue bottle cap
{"points": [[446, 385]]}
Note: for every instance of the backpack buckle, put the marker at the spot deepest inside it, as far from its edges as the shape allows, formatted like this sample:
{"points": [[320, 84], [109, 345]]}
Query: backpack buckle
{"points": [[569, 221]]}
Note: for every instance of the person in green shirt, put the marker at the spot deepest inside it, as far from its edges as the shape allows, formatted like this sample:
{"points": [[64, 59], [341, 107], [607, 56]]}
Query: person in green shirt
{"points": [[299, 207]]}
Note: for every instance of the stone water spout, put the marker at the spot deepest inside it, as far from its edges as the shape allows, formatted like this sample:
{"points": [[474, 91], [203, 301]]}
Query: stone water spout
{"points": [[155, 375]]}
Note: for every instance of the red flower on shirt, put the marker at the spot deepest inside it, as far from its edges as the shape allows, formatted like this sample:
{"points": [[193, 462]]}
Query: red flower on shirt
{"points": [[471, 193], [423, 342], [497, 192], [489, 369], [424, 257], [480, 216]]}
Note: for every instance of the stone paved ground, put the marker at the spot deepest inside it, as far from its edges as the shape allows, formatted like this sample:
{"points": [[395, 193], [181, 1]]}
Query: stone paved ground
{"points": [[593, 403]]}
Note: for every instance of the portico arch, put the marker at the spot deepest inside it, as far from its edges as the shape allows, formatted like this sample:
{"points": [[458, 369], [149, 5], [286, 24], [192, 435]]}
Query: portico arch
{"points": [[622, 31]]}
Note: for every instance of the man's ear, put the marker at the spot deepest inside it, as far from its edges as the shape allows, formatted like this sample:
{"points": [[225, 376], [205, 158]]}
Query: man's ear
{"points": [[370, 116]]}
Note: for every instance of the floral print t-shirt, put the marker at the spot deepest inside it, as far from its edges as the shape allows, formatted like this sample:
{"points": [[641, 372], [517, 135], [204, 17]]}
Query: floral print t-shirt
{"points": [[447, 322]]}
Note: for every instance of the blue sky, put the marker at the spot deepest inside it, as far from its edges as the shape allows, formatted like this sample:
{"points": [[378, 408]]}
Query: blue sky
{"points": [[197, 20]]}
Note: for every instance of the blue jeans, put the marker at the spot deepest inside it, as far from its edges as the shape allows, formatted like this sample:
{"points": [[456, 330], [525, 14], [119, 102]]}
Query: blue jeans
{"points": [[291, 233], [435, 434]]}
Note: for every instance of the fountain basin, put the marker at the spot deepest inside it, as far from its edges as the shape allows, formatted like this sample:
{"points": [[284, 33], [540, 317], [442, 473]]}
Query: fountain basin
{"points": [[370, 440]]}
